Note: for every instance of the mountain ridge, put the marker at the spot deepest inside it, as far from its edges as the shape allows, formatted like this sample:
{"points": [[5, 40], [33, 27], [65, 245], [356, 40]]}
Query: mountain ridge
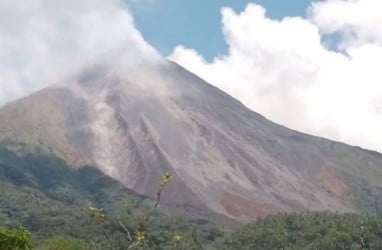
{"points": [[137, 123]]}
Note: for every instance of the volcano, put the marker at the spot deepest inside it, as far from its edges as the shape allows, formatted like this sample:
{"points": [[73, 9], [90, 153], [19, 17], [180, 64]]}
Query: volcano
{"points": [[136, 122]]}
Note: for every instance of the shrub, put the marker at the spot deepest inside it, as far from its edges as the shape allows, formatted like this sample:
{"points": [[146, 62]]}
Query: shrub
{"points": [[15, 239], [62, 243]]}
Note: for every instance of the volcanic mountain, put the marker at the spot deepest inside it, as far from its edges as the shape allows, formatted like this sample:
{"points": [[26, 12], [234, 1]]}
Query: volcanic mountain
{"points": [[135, 123]]}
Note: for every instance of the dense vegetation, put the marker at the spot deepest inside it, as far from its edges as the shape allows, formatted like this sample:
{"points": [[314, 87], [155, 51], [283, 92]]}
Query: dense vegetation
{"points": [[19, 238], [57, 204], [309, 230], [52, 201], [315, 231]]}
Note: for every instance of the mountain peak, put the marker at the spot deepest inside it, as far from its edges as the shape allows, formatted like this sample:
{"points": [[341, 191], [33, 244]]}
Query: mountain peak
{"points": [[136, 122]]}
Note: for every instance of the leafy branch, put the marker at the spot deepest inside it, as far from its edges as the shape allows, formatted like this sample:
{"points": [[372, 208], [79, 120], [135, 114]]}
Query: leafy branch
{"points": [[138, 237]]}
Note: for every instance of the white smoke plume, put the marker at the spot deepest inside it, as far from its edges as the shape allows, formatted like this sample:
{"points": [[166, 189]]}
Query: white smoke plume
{"points": [[43, 40]]}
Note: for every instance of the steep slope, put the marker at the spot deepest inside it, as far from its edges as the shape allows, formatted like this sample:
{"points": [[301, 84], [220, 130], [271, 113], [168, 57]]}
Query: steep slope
{"points": [[135, 123]]}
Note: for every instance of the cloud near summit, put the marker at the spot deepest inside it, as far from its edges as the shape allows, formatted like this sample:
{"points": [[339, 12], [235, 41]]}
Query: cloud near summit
{"points": [[290, 71], [43, 40]]}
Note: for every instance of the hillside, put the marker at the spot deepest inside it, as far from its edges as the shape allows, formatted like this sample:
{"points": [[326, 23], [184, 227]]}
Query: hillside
{"points": [[228, 162], [52, 200]]}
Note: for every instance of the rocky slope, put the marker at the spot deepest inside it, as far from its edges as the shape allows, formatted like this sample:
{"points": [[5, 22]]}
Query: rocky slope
{"points": [[135, 123]]}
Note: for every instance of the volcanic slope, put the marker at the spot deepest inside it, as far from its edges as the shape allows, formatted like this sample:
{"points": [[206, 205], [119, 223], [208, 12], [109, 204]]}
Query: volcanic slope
{"points": [[135, 123]]}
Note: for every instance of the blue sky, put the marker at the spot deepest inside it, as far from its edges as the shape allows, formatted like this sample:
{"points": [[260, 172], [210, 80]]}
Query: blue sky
{"points": [[197, 23]]}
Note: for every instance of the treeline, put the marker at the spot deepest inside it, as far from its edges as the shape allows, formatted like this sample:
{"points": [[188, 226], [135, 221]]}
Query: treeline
{"points": [[154, 232], [308, 230]]}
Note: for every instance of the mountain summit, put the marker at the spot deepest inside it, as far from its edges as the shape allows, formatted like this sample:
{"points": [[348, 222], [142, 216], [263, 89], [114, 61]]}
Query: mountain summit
{"points": [[136, 122]]}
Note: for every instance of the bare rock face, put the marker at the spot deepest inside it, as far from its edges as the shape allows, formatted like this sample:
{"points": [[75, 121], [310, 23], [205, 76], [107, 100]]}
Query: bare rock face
{"points": [[227, 161]]}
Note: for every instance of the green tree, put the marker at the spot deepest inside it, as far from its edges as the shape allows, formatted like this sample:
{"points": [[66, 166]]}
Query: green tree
{"points": [[15, 239]]}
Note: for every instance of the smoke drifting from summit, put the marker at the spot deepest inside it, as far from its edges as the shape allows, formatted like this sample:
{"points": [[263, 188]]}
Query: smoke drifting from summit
{"points": [[41, 41]]}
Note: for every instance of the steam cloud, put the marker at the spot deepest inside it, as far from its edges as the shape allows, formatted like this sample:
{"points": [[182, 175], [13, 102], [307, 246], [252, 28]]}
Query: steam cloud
{"points": [[43, 40]]}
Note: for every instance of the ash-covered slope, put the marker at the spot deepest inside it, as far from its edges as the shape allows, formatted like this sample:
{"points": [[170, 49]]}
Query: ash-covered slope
{"points": [[135, 123]]}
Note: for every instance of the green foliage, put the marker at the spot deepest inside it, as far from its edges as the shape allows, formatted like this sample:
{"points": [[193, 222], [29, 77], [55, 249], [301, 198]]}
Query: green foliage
{"points": [[15, 239], [147, 229], [62, 243], [308, 231], [49, 198]]}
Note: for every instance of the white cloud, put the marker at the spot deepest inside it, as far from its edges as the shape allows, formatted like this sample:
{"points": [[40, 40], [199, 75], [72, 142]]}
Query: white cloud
{"points": [[359, 22], [282, 69], [42, 40]]}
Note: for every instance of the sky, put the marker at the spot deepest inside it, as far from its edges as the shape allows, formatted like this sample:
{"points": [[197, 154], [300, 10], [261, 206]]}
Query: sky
{"points": [[198, 22], [311, 66]]}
